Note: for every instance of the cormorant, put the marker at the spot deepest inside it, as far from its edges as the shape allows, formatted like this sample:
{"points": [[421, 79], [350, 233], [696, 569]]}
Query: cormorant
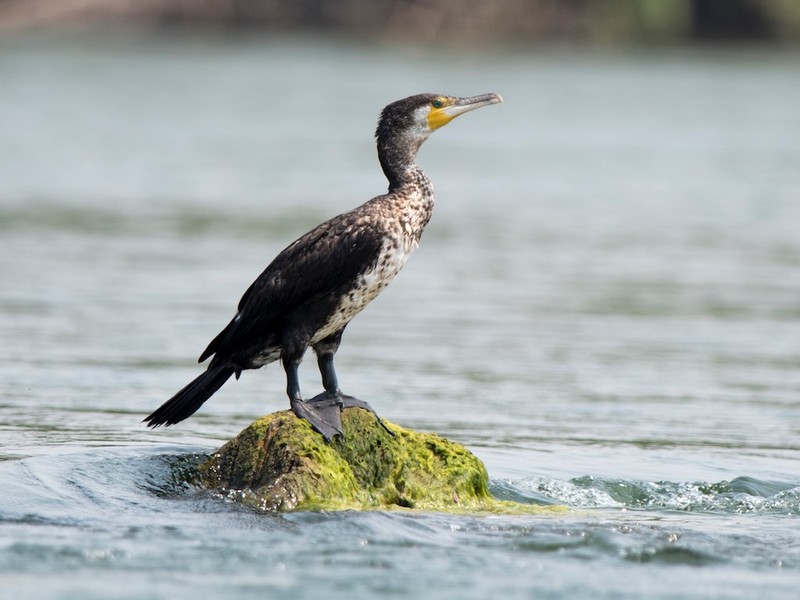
{"points": [[313, 288]]}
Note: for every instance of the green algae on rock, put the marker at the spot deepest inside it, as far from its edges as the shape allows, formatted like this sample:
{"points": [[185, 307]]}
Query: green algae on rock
{"points": [[279, 463]]}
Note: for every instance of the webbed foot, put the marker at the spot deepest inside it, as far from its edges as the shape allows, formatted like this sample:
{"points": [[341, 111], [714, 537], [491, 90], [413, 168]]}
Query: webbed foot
{"points": [[324, 412]]}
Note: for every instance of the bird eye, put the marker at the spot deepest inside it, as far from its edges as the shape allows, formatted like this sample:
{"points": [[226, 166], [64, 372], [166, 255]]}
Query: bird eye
{"points": [[438, 103]]}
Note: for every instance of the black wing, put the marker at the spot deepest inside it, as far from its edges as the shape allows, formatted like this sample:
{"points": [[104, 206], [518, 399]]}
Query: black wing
{"points": [[324, 259]]}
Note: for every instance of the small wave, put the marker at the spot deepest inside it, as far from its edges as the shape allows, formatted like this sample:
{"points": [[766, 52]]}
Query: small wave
{"points": [[737, 496]]}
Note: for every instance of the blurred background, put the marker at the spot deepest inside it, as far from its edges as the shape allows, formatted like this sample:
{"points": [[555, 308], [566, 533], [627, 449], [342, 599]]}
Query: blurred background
{"points": [[420, 21], [641, 180], [624, 229]]}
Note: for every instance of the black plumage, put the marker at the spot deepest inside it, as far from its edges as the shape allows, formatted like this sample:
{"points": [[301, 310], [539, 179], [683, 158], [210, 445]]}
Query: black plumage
{"points": [[312, 289]]}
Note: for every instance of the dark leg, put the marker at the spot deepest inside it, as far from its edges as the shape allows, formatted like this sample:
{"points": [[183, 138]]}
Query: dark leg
{"points": [[325, 350], [324, 414], [329, 380]]}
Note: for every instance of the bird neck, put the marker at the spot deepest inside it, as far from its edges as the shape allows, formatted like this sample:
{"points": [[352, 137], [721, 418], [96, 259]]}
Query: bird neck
{"points": [[398, 156]]}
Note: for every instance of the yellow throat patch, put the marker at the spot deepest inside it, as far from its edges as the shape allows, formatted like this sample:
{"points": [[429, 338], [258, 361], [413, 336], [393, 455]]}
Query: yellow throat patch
{"points": [[439, 116]]}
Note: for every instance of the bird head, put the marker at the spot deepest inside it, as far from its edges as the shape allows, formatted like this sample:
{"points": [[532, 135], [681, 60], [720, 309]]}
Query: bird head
{"points": [[419, 116]]}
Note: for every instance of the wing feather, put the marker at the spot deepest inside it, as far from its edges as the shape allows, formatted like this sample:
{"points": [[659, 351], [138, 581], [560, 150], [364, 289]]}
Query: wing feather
{"points": [[317, 264]]}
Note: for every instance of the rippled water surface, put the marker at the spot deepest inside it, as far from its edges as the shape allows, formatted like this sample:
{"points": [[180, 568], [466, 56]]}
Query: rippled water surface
{"points": [[605, 308]]}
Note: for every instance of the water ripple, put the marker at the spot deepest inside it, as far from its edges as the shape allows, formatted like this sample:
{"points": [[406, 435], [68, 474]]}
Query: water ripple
{"points": [[737, 496]]}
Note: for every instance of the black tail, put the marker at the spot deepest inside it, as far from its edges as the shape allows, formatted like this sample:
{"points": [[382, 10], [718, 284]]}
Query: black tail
{"points": [[184, 404]]}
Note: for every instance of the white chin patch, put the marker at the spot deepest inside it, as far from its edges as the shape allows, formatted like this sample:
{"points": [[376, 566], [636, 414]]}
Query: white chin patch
{"points": [[421, 126]]}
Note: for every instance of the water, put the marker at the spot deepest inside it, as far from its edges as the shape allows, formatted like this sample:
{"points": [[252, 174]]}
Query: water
{"points": [[605, 308]]}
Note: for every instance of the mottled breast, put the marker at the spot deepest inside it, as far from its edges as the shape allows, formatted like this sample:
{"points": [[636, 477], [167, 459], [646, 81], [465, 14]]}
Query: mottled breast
{"points": [[402, 215], [393, 255]]}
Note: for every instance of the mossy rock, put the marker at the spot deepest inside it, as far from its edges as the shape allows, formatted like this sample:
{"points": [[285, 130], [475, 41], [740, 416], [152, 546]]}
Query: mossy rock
{"points": [[279, 463]]}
